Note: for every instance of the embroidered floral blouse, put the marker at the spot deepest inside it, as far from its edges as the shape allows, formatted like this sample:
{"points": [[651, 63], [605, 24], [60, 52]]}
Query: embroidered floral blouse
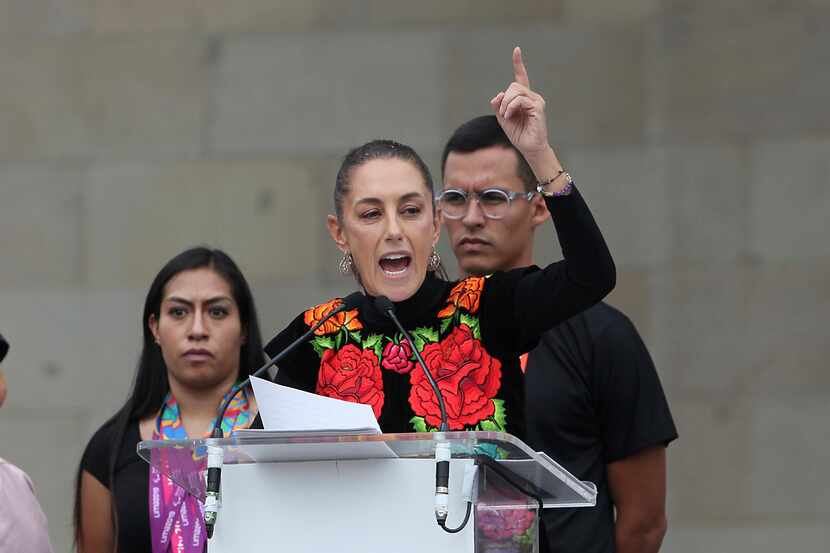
{"points": [[470, 333]]}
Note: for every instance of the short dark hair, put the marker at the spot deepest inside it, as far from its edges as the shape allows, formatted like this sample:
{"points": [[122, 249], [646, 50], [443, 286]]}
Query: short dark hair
{"points": [[484, 132]]}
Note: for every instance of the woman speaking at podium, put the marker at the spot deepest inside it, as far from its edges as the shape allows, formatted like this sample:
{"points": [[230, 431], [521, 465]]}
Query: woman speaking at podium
{"points": [[470, 333]]}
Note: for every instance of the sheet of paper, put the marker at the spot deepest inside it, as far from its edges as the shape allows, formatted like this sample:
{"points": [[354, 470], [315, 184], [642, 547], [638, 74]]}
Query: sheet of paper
{"points": [[284, 408], [326, 451]]}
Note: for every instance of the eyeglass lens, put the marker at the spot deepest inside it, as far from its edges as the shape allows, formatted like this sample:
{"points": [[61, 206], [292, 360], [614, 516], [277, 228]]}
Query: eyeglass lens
{"points": [[493, 203]]}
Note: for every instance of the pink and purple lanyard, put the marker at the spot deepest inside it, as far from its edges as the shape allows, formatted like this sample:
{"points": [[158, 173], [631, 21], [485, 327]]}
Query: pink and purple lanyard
{"points": [[177, 518]]}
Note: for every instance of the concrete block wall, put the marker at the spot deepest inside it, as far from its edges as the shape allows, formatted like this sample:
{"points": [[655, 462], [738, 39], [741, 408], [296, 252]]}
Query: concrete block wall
{"points": [[698, 132]]}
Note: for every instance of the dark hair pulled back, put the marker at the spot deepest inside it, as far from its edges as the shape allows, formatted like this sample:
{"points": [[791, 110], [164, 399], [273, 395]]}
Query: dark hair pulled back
{"points": [[380, 149]]}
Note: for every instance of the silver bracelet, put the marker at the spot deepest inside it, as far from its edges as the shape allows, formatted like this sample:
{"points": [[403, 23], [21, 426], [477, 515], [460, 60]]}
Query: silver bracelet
{"points": [[566, 190]]}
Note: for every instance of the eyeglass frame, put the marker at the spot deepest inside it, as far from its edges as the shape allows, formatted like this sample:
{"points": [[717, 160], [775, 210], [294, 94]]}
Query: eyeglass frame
{"points": [[511, 195]]}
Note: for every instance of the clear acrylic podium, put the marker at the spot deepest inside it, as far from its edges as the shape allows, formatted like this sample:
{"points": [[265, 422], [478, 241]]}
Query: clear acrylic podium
{"points": [[299, 492]]}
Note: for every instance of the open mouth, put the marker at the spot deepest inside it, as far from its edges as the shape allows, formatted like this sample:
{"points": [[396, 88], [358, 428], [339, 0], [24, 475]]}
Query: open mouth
{"points": [[395, 264]]}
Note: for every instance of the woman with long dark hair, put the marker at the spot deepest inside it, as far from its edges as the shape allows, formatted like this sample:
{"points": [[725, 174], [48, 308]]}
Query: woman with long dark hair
{"points": [[470, 333], [201, 336]]}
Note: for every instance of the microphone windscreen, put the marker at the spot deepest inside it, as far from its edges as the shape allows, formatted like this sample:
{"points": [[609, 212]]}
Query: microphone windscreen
{"points": [[352, 301], [4, 347], [384, 305]]}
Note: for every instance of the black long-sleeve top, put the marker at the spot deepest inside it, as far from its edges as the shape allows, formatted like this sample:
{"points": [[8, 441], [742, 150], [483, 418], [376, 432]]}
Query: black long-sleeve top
{"points": [[470, 333]]}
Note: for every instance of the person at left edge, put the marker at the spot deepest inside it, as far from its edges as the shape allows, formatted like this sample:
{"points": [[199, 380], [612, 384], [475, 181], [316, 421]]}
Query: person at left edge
{"points": [[23, 525], [470, 332], [200, 337]]}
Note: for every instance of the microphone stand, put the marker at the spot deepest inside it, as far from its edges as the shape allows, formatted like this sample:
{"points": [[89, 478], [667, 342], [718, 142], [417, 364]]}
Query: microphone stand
{"points": [[213, 498], [442, 448]]}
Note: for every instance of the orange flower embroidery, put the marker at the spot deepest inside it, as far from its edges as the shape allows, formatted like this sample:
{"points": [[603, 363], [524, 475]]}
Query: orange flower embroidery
{"points": [[465, 294], [346, 319], [523, 362]]}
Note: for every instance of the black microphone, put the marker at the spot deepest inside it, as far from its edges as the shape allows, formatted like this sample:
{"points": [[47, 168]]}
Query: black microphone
{"points": [[385, 306], [442, 448], [349, 302], [4, 348], [215, 454]]}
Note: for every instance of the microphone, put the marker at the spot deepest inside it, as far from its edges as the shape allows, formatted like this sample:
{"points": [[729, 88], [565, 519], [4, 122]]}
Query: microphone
{"points": [[215, 454], [349, 302], [4, 348], [385, 306], [442, 448]]}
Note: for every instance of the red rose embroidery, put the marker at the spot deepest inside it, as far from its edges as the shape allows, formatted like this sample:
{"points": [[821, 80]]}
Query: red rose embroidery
{"points": [[466, 375], [504, 524], [351, 374], [397, 357]]}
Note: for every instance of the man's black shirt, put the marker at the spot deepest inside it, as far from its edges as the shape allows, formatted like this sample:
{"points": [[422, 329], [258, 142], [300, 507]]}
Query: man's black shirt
{"points": [[592, 397]]}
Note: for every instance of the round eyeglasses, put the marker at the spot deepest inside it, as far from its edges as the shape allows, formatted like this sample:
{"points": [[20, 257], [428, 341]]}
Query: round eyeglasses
{"points": [[494, 202]]}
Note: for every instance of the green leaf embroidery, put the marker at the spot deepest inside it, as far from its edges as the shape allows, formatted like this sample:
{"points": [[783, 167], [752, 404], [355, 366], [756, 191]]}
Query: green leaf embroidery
{"points": [[427, 333], [445, 324], [489, 425], [419, 342], [338, 341], [355, 336], [324, 342], [422, 336], [372, 341], [419, 424], [500, 416], [528, 536], [321, 344], [472, 322]]}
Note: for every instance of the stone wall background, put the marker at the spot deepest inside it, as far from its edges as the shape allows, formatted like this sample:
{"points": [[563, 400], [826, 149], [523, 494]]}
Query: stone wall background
{"points": [[698, 132]]}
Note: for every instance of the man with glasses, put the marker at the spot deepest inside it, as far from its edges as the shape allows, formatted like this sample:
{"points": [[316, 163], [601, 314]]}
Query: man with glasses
{"points": [[593, 398]]}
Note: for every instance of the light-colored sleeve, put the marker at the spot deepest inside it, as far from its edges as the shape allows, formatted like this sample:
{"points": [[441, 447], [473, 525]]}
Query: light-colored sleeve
{"points": [[23, 525]]}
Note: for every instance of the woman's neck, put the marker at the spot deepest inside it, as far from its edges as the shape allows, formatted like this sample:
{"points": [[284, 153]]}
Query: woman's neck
{"points": [[198, 408], [411, 310]]}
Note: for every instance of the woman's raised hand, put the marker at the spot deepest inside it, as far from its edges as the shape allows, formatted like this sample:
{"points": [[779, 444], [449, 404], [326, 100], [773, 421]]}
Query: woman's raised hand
{"points": [[521, 113]]}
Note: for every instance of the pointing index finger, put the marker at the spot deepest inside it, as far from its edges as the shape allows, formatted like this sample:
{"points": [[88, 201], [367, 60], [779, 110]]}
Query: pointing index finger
{"points": [[519, 71]]}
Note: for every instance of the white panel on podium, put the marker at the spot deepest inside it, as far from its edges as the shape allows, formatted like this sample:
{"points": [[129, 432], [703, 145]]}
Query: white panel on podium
{"points": [[370, 493], [342, 506]]}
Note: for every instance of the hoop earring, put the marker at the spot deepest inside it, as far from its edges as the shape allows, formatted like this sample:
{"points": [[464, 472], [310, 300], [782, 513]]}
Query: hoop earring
{"points": [[434, 262], [346, 264]]}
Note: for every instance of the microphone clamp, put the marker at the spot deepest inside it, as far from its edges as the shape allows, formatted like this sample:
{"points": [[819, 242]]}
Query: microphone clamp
{"points": [[442, 481], [213, 497]]}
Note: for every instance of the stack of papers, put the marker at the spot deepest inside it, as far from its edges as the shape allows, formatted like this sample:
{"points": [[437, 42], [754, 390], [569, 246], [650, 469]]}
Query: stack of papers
{"points": [[286, 409], [259, 433], [288, 412]]}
